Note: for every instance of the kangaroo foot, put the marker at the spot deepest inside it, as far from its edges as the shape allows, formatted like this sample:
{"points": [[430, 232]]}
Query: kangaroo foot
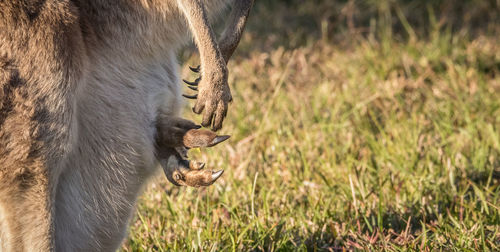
{"points": [[181, 172], [175, 136], [177, 132]]}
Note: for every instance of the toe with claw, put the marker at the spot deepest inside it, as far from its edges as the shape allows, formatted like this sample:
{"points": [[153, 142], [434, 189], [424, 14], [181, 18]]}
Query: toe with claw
{"points": [[195, 69], [197, 138], [193, 85], [182, 172], [213, 95]]}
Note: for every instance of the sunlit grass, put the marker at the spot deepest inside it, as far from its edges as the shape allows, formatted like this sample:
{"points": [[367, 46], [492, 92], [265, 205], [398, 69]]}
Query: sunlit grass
{"points": [[384, 144]]}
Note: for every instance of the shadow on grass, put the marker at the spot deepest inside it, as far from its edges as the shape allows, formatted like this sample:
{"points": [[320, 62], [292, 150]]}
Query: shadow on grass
{"points": [[293, 23]]}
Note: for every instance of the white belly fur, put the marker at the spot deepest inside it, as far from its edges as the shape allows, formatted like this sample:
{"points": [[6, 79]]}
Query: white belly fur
{"points": [[115, 153], [126, 85]]}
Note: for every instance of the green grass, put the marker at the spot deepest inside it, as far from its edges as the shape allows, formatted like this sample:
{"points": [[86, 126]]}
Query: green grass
{"points": [[384, 143]]}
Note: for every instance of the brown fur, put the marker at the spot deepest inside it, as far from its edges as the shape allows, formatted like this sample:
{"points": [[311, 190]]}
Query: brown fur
{"points": [[37, 83], [49, 50]]}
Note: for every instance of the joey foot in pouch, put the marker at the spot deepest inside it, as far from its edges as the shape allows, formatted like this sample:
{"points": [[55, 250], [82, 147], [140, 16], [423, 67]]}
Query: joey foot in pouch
{"points": [[174, 137]]}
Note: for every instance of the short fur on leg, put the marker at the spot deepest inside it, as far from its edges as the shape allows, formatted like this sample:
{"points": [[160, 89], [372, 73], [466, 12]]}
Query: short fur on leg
{"points": [[214, 94]]}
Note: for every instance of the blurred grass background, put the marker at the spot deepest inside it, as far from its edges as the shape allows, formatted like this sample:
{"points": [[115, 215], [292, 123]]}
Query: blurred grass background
{"points": [[356, 125]]}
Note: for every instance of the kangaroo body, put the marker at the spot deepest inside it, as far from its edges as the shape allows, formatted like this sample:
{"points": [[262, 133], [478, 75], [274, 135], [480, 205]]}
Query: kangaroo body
{"points": [[81, 85]]}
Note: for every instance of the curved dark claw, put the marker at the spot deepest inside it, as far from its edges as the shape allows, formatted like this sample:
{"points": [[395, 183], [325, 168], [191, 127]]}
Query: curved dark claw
{"points": [[194, 83], [195, 69], [216, 175], [190, 96], [218, 140], [193, 88]]}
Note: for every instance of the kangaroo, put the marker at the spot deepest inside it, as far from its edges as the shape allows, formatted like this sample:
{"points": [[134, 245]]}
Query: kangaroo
{"points": [[89, 105]]}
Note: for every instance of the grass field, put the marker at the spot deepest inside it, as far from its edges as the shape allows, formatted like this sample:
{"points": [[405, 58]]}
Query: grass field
{"points": [[347, 135]]}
